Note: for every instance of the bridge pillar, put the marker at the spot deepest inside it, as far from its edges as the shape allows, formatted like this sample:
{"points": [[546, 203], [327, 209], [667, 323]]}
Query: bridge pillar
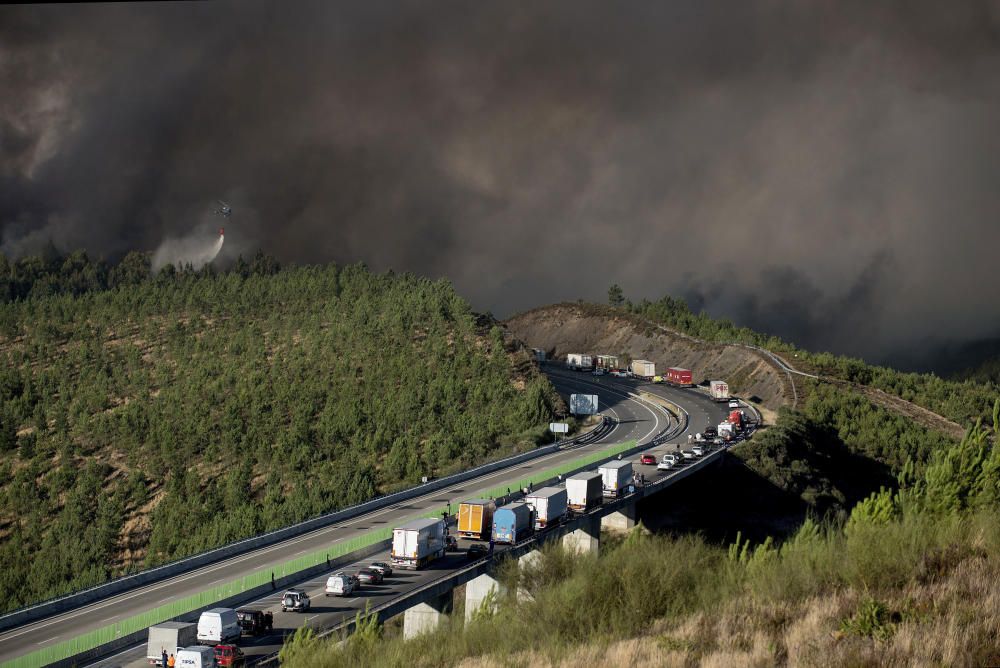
{"points": [[586, 539], [622, 520], [484, 590], [527, 561], [425, 617]]}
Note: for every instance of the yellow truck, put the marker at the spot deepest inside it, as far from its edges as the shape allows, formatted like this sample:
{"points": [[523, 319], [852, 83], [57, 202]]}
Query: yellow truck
{"points": [[475, 519]]}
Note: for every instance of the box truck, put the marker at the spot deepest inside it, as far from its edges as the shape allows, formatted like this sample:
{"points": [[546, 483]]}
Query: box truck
{"points": [[218, 625], [475, 519], [548, 504], [584, 490], [169, 637], [615, 477], [579, 362], [643, 369], [679, 376], [418, 543], [719, 389], [512, 523]]}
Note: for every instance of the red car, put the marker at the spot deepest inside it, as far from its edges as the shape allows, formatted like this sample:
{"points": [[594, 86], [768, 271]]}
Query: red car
{"points": [[229, 656], [647, 459]]}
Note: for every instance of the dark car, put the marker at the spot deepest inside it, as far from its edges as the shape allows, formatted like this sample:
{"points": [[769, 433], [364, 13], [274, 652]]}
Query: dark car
{"points": [[451, 543], [369, 576], [476, 551], [255, 622]]}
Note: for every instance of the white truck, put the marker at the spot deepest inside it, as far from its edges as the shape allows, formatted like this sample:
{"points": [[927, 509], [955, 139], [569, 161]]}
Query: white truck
{"points": [[584, 490], [195, 657], [643, 369], [719, 389], [727, 430], [549, 504], [418, 543], [579, 362], [218, 625], [167, 637], [616, 477]]}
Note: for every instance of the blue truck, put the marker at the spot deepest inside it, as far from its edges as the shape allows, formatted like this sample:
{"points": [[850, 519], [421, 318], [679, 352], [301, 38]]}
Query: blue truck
{"points": [[512, 523]]}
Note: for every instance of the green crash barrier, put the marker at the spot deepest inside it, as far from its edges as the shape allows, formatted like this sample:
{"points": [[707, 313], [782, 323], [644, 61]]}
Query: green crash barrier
{"points": [[98, 637]]}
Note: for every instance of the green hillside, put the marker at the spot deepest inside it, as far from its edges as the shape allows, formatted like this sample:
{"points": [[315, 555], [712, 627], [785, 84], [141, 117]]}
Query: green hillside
{"points": [[143, 418]]}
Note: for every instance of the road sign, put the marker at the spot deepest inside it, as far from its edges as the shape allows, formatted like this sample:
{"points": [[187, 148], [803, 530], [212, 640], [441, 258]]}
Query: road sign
{"points": [[558, 427], [583, 404]]}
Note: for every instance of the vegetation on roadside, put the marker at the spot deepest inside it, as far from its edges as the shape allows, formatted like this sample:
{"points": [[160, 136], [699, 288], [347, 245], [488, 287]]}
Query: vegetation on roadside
{"points": [[909, 565], [144, 418]]}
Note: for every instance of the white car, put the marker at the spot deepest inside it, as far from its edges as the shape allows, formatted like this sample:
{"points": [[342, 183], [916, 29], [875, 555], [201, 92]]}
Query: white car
{"points": [[733, 403], [668, 462], [698, 449], [687, 454], [618, 374], [339, 585]]}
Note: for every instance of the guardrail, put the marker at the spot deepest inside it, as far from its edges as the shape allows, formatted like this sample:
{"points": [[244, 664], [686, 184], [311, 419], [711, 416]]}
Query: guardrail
{"points": [[126, 583]]}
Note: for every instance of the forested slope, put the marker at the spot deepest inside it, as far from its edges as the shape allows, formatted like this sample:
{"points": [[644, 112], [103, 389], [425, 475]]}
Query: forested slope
{"points": [[144, 418]]}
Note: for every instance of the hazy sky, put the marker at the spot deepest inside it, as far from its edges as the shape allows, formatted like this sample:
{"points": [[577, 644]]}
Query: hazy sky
{"points": [[826, 171]]}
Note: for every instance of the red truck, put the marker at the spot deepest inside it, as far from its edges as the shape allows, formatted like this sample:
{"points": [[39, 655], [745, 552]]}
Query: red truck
{"points": [[679, 376], [736, 418]]}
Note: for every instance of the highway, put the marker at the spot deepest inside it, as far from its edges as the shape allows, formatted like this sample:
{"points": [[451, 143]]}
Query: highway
{"points": [[636, 420]]}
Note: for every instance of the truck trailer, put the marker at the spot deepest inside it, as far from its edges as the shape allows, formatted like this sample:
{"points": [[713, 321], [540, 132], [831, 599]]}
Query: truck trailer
{"points": [[417, 543], [579, 362], [615, 477], [643, 369], [548, 504], [607, 362], [169, 637], [679, 376], [512, 523], [584, 490], [719, 389], [475, 519]]}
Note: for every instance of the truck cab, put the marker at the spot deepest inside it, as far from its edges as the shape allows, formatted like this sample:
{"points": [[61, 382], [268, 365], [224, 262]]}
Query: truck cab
{"points": [[295, 600]]}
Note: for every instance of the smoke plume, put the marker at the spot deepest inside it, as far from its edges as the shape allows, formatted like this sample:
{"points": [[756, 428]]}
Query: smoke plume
{"points": [[826, 171]]}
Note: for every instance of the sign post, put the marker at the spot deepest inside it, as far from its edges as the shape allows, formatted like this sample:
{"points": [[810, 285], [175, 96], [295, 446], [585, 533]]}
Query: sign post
{"points": [[583, 404], [558, 428]]}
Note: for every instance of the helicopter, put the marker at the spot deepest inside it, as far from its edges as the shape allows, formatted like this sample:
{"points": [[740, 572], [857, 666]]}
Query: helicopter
{"points": [[224, 209]]}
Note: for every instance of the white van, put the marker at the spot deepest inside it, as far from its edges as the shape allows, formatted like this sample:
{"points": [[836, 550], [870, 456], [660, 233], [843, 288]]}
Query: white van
{"points": [[339, 585], [218, 625], [195, 657]]}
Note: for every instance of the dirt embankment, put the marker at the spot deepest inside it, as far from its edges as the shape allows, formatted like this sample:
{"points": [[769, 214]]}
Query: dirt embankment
{"points": [[565, 329]]}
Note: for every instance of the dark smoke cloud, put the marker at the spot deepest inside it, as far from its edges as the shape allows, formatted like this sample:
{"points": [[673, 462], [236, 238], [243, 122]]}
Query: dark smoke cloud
{"points": [[825, 171]]}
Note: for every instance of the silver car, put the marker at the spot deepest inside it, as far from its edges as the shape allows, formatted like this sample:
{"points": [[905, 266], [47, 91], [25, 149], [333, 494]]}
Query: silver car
{"points": [[688, 454], [698, 449]]}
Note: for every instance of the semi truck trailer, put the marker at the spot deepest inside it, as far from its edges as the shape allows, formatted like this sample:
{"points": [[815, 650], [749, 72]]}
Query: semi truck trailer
{"points": [[679, 376], [719, 389], [584, 490], [643, 369], [417, 543], [475, 519], [548, 504], [512, 523], [615, 477]]}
